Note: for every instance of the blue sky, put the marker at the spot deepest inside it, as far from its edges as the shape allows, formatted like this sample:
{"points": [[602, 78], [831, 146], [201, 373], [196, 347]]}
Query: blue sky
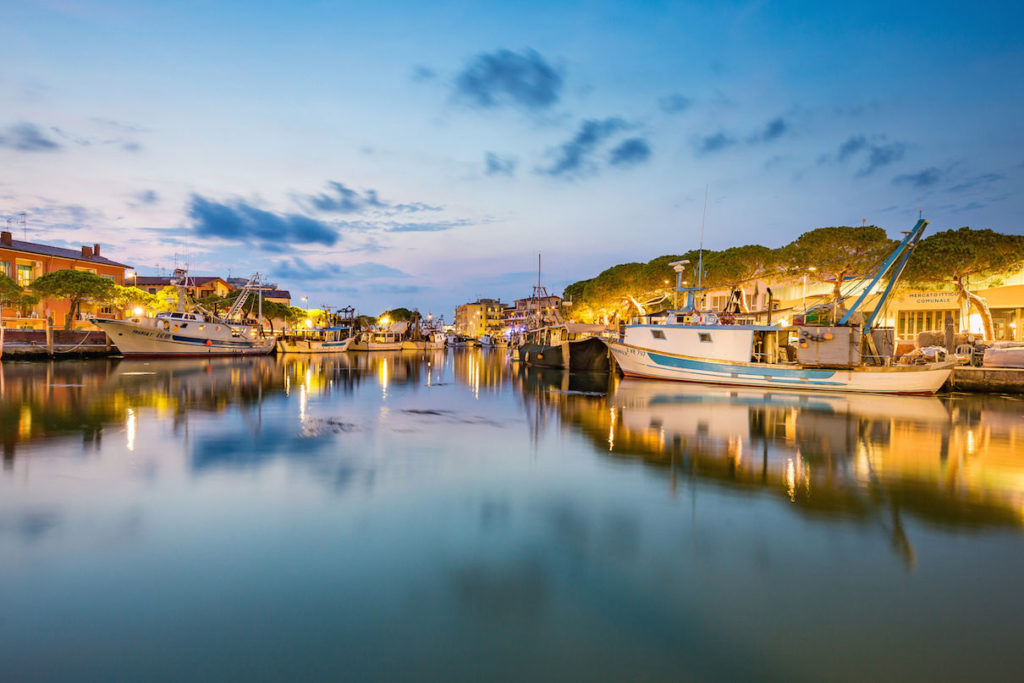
{"points": [[421, 154]]}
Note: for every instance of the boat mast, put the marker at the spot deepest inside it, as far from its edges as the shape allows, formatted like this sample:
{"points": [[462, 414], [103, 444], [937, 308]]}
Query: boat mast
{"points": [[700, 256]]}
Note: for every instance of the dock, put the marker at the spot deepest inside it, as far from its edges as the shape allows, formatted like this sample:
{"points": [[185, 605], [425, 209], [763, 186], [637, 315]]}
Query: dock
{"points": [[50, 343], [987, 380]]}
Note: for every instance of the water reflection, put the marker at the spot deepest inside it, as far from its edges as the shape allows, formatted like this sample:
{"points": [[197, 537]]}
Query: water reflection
{"points": [[343, 511], [956, 460]]}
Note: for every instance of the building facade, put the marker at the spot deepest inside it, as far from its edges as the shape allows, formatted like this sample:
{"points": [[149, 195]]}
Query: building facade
{"points": [[483, 316], [25, 262]]}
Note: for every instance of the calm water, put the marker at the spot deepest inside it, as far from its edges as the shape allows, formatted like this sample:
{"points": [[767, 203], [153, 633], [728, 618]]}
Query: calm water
{"points": [[447, 516]]}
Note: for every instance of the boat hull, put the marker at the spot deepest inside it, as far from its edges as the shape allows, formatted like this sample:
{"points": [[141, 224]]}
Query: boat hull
{"points": [[135, 340], [584, 355], [635, 361], [313, 346], [375, 346]]}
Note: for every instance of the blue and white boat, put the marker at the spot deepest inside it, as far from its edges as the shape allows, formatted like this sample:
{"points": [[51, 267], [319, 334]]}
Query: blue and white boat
{"points": [[851, 354]]}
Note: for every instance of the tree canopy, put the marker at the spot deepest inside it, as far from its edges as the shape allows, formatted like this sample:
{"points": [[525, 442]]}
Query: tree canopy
{"points": [[74, 286], [951, 257], [836, 253]]}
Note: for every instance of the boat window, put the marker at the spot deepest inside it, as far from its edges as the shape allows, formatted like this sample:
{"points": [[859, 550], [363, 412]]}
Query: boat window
{"points": [[680, 319], [658, 334], [704, 336], [184, 325]]}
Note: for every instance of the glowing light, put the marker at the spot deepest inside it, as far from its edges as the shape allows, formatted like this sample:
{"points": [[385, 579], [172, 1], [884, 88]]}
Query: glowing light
{"points": [[129, 429], [791, 480], [382, 376], [784, 321], [974, 324], [309, 322], [138, 311]]}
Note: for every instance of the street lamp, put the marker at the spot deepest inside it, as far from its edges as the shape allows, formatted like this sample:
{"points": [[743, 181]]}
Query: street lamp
{"points": [[305, 301], [804, 298]]}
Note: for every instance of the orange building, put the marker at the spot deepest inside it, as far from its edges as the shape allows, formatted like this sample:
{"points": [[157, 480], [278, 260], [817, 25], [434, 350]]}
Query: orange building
{"points": [[24, 262]]}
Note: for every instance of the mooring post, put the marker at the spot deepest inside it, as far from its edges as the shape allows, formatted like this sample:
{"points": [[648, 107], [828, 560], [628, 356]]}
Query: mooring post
{"points": [[49, 335], [948, 326], [1, 335]]}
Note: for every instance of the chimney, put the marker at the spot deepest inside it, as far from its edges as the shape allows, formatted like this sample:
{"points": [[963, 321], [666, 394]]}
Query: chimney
{"points": [[86, 252], [5, 238], [95, 250]]}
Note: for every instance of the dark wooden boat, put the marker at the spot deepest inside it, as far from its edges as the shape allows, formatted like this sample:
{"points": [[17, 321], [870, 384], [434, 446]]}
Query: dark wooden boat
{"points": [[570, 346]]}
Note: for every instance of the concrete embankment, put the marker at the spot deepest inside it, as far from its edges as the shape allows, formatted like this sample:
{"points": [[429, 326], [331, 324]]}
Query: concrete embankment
{"points": [[39, 344], [987, 380]]}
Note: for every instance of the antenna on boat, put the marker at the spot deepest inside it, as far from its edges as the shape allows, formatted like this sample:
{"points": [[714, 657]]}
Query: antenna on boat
{"points": [[700, 257]]}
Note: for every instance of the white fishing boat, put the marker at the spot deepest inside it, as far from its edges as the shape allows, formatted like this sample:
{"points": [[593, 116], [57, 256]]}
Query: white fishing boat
{"points": [[848, 353], [194, 332], [316, 340]]}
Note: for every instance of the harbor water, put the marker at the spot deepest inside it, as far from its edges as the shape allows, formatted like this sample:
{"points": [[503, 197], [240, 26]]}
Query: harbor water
{"points": [[452, 516]]}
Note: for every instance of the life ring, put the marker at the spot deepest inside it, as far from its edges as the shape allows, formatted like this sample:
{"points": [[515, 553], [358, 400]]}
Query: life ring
{"points": [[697, 319], [710, 319], [209, 343]]}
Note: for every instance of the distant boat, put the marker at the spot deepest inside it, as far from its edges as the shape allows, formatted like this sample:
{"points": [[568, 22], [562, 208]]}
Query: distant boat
{"points": [[195, 332], [432, 341], [316, 340], [573, 346], [381, 340]]}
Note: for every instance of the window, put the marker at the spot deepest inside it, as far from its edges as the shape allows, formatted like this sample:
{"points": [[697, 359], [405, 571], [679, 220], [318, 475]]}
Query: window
{"points": [[657, 334], [24, 275], [704, 336], [5, 268]]}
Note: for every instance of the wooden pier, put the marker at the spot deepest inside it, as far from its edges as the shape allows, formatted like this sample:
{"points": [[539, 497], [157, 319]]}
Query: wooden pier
{"points": [[987, 380]]}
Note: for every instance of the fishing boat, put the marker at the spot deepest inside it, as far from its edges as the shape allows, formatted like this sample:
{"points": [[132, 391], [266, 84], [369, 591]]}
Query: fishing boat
{"points": [[316, 340], [550, 342], [191, 330], [427, 342], [843, 350], [573, 346], [377, 340], [458, 341], [335, 337]]}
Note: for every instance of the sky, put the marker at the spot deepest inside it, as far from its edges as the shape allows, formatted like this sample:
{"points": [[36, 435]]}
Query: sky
{"points": [[423, 154]]}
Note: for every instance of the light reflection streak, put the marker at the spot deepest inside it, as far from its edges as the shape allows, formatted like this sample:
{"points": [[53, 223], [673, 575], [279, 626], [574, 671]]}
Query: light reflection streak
{"points": [[129, 428]]}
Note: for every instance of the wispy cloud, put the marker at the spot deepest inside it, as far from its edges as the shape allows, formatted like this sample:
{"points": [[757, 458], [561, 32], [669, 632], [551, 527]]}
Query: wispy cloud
{"points": [[674, 104], [574, 157], [773, 130], [504, 77], [422, 73], [435, 226], [630, 152], [296, 268], [977, 181], [144, 198], [498, 165], [340, 198], [878, 150], [240, 221], [923, 179], [715, 142], [26, 137]]}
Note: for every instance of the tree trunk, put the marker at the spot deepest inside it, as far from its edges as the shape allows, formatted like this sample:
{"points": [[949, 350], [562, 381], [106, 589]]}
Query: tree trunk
{"points": [[979, 305], [837, 290], [743, 300], [69, 320]]}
